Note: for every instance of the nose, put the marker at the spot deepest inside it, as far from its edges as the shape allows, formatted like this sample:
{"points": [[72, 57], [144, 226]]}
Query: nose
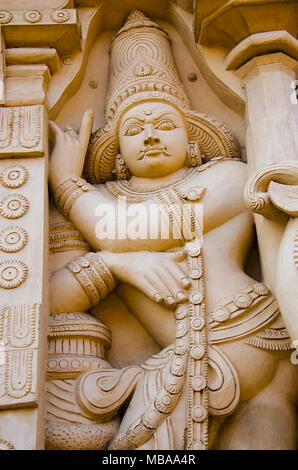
{"points": [[150, 136]]}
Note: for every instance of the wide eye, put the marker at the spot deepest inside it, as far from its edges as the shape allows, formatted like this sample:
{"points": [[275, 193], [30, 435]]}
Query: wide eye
{"points": [[133, 130], [165, 126]]}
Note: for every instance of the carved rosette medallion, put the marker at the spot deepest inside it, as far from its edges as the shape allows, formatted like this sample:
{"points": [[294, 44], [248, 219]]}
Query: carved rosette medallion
{"points": [[5, 445], [32, 16], [14, 206], [14, 176], [60, 16], [13, 239], [12, 273], [5, 16]]}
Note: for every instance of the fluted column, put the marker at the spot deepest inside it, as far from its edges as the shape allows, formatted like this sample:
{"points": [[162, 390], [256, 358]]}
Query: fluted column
{"points": [[271, 136]]}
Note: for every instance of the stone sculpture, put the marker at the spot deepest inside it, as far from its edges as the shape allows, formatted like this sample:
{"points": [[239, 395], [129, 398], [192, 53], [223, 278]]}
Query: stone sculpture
{"points": [[226, 323], [140, 316]]}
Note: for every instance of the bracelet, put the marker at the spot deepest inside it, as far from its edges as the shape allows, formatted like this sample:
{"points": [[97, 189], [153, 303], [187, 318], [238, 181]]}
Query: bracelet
{"points": [[85, 282], [93, 275], [69, 192], [102, 268]]}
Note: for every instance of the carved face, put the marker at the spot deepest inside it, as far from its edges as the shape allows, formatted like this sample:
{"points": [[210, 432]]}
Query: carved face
{"points": [[153, 139]]}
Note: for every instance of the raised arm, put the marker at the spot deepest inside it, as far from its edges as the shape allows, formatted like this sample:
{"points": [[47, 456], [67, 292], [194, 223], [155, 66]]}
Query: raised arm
{"points": [[74, 197]]}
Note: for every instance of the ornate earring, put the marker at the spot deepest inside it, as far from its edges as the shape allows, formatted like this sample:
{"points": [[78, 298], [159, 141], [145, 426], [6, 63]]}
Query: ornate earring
{"points": [[121, 171], [194, 157]]}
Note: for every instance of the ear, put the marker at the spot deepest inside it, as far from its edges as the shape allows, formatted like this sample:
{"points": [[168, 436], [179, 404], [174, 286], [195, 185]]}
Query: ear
{"points": [[213, 137], [100, 157]]}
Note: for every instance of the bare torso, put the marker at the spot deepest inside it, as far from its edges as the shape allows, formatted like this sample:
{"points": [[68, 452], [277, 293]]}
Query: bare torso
{"points": [[227, 241], [228, 234]]}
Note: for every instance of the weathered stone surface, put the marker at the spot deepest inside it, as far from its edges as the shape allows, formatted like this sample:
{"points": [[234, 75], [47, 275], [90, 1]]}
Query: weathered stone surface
{"points": [[150, 281]]}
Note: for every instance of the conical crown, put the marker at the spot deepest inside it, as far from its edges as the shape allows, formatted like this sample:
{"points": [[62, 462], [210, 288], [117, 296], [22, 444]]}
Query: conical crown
{"points": [[142, 68]]}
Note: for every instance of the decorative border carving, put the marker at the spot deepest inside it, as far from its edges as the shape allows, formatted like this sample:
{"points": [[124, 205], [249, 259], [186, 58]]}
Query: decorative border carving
{"points": [[20, 130], [19, 342], [18, 378], [18, 326], [36, 17], [6, 121]]}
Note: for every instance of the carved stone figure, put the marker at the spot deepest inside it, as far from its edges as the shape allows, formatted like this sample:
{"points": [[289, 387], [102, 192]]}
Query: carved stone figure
{"points": [[147, 314], [222, 378]]}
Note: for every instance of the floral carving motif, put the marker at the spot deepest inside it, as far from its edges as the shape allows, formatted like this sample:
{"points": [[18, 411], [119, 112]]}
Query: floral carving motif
{"points": [[14, 176], [14, 206], [32, 16], [261, 289], [12, 273], [13, 239], [220, 314], [60, 16], [243, 300], [5, 16]]}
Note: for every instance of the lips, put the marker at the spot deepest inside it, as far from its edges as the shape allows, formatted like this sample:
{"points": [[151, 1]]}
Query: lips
{"points": [[153, 151]]}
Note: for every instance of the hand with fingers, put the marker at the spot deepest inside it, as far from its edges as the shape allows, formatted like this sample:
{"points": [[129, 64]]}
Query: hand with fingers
{"points": [[157, 275], [68, 155]]}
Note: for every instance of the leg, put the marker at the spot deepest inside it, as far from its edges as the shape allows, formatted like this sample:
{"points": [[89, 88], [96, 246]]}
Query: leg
{"points": [[267, 421]]}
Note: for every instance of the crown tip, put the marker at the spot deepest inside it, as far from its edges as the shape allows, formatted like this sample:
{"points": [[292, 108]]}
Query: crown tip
{"points": [[136, 15]]}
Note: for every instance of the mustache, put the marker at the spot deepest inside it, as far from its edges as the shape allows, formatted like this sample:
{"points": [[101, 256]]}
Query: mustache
{"points": [[143, 152]]}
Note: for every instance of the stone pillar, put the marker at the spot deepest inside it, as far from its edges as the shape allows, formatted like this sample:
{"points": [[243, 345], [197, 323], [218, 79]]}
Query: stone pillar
{"points": [[271, 136], [238, 41], [271, 109], [23, 251], [23, 274], [32, 43]]}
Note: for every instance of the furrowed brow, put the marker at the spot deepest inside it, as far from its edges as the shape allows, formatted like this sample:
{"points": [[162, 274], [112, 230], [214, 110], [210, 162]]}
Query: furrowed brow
{"points": [[166, 114], [132, 118]]}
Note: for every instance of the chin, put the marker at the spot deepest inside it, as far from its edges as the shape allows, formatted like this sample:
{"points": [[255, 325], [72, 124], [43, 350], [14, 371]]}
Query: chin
{"points": [[156, 167]]}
